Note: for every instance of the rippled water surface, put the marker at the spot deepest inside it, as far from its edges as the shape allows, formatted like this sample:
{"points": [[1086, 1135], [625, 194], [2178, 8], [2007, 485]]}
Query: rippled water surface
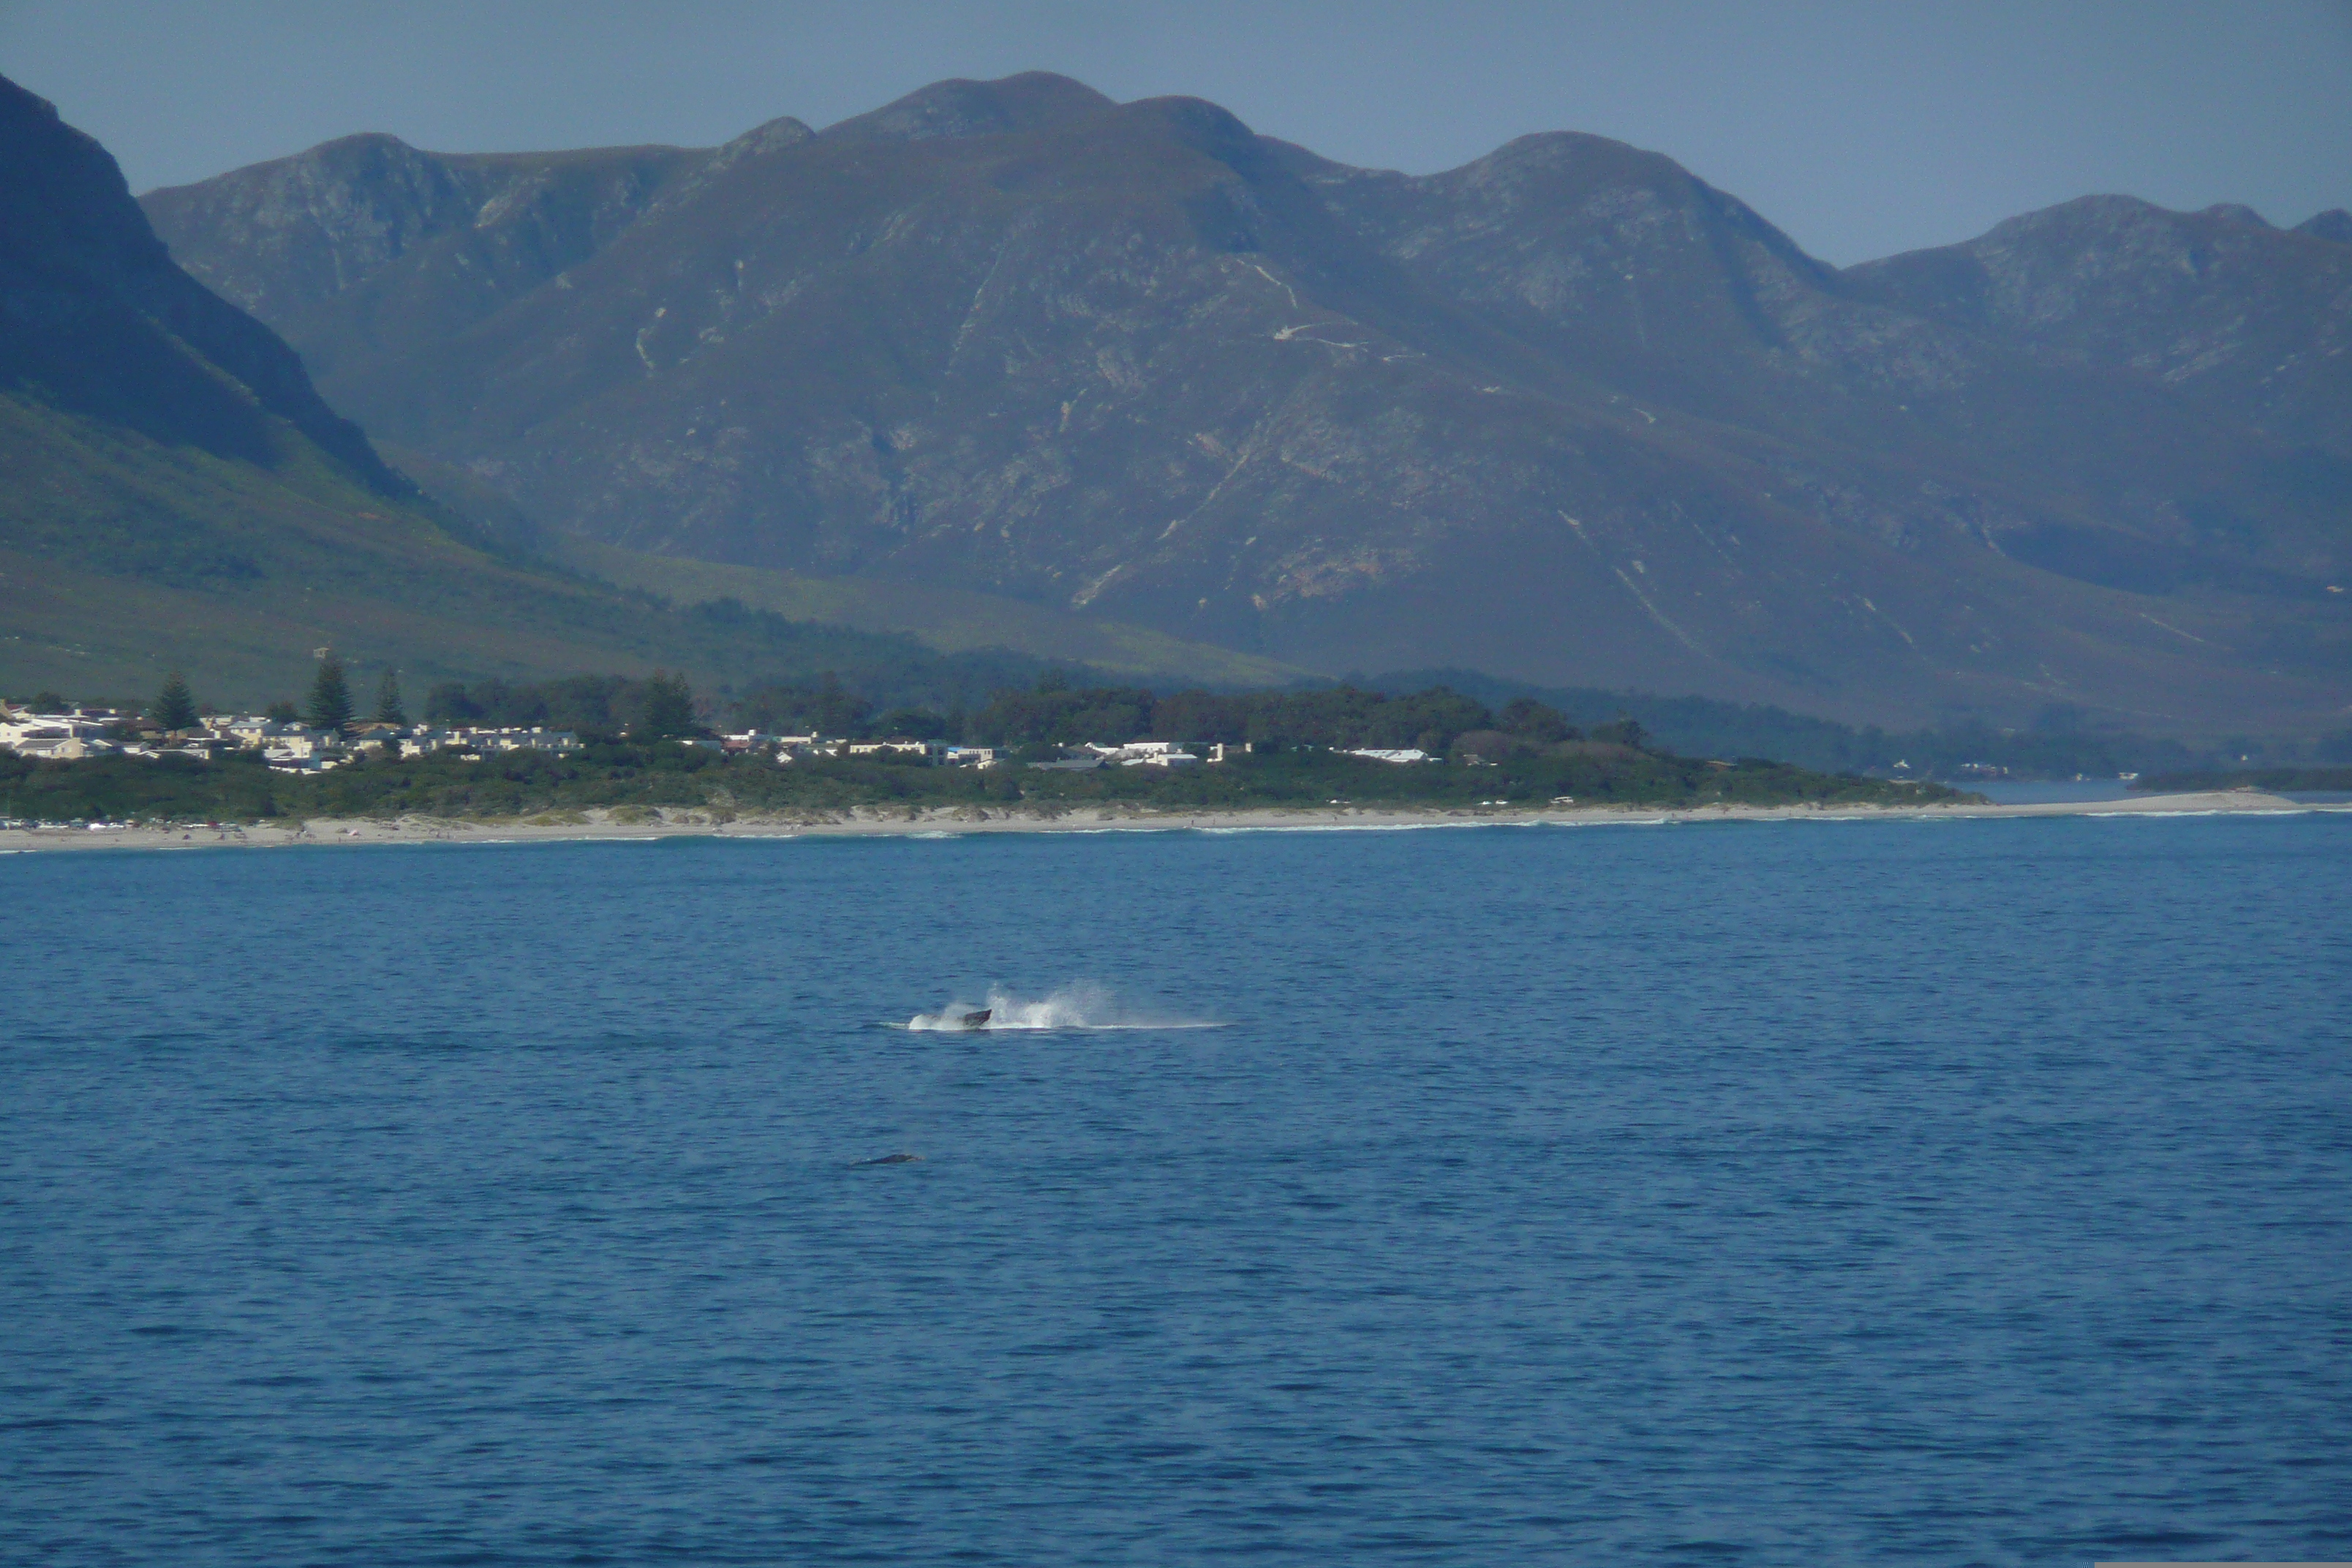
{"points": [[1883, 1193]]}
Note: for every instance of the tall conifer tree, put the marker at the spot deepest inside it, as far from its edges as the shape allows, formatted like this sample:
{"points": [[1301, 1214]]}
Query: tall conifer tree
{"points": [[174, 707], [330, 707], [389, 709]]}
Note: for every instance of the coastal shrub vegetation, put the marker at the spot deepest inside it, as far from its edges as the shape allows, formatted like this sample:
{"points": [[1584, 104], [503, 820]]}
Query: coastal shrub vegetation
{"points": [[2315, 779], [1052, 712], [652, 773]]}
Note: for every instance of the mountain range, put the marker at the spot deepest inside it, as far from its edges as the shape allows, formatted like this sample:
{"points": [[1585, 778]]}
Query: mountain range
{"points": [[174, 492], [1567, 413], [1010, 364]]}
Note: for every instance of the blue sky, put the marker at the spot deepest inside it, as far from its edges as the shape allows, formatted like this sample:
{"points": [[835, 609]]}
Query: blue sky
{"points": [[1860, 128]]}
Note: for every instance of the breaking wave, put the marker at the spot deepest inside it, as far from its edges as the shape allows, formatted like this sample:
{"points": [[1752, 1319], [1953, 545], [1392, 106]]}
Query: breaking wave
{"points": [[1080, 1007]]}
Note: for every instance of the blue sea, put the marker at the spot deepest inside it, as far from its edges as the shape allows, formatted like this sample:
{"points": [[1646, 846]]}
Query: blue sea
{"points": [[1815, 1192]]}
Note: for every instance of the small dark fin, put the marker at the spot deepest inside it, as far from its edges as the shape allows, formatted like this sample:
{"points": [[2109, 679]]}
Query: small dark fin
{"points": [[890, 1160], [978, 1020]]}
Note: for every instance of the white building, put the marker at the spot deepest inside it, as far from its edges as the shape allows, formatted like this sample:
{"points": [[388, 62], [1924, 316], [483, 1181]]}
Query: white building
{"points": [[1144, 754], [40, 734], [249, 730], [70, 747], [532, 740]]}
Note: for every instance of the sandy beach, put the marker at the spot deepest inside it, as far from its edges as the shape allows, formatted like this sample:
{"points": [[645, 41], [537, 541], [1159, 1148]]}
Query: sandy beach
{"points": [[691, 822]]}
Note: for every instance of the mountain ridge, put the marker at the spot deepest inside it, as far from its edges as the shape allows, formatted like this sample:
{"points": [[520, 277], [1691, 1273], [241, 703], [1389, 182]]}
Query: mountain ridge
{"points": [[93, 302], [174, 493], [1567, 411]]}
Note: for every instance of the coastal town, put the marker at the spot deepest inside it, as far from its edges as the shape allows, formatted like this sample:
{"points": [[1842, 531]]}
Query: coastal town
{"points": [[292, 746], [505, 752], [287, 746]]}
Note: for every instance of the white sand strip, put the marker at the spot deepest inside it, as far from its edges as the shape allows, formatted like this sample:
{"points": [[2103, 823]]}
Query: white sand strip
{"points": [[938, 821]]}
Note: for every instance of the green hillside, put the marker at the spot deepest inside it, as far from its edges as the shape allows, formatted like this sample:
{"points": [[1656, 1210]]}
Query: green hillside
{"points": [[121, 558], [949, 619]]}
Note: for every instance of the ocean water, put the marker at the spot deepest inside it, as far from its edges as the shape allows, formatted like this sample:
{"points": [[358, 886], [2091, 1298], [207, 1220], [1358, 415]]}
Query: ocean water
{"points": [[1955, 1192]]}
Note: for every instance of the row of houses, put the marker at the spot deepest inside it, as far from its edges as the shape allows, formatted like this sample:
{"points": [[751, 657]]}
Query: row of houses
{"points": [[1170, 754], [287, 746], [77, 734], [293, 747], [785, 749]]}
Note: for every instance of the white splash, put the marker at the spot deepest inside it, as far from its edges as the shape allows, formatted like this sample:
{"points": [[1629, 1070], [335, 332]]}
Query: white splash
{"points": [[1082, 1006]]}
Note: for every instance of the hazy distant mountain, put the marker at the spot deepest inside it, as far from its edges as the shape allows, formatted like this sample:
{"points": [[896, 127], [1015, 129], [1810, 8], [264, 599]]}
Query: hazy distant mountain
{"points": [[1566, 413], [2249, 322], [2334, 224], [366, 244]]}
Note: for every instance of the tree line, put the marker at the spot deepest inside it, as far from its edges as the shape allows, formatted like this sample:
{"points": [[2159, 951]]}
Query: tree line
{"points": [[661, 706], [1053, 711], [1434, 714]]}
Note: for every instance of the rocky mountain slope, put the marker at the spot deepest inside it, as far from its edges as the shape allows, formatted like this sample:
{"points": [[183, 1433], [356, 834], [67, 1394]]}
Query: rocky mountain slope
{"points": [[1566, 413], [2247, 322], [174, 492], [95, 319]]}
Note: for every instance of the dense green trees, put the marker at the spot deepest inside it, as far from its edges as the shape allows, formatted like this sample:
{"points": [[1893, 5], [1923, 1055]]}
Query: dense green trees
{"points": [[665, 708], [1341, 717], [1531, 720], [1052, 712], [660, 707], [822, 707], [240, 787], [590, 704]]}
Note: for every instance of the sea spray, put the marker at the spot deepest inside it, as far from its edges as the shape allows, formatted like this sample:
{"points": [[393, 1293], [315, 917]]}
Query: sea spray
{"points": [[1081, 1005]]}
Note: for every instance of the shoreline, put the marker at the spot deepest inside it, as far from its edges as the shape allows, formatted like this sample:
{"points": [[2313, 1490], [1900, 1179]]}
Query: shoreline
{"points": [[603, 824]]}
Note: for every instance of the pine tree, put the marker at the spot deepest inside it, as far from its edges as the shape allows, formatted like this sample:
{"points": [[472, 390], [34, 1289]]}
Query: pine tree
{"points": [[175, 708], [330, 696], [389, 709]]}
